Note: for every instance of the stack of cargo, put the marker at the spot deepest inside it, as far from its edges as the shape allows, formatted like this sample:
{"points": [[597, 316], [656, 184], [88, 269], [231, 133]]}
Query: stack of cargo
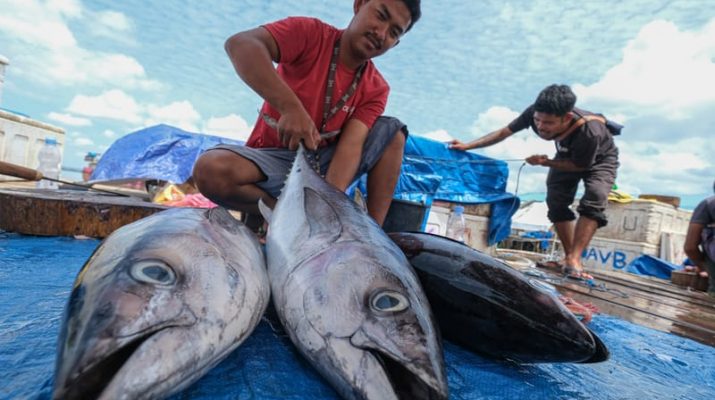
{"points": [[635, 228]]}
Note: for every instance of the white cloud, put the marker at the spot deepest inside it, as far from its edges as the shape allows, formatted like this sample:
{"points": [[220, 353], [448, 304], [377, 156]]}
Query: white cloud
{"points": [[56, 57], [494, 118], [231, 126], [114, 21], [83, 141], [69, 119], [109, 133], [120, 106], [112, 104], [664, 71], [439, 135], [181, 114], [664, 92]]}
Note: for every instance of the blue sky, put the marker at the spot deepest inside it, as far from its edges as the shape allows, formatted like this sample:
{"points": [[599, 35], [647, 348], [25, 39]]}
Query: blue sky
{"points": [[101, 69]]}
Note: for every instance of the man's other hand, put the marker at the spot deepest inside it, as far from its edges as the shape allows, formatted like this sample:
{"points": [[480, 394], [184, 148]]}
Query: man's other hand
{"points": [[456, 144], [296, 126], [537, 159]]}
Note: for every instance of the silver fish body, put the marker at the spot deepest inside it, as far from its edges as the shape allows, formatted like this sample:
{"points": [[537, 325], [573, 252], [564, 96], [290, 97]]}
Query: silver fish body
{"points": [[347, 296], [158, 304]]}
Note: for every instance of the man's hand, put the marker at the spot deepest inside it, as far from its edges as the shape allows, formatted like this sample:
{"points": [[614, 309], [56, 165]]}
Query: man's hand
{"points": [[457, 145], [537, 159], [295, 126]]}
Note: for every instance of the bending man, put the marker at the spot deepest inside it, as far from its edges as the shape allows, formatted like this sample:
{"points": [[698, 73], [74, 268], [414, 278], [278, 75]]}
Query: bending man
{"points": [[585, 151]]}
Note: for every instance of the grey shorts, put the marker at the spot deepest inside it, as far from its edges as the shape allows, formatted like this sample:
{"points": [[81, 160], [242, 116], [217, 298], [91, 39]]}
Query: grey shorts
{"points": [[275, 163], [561, 189]]}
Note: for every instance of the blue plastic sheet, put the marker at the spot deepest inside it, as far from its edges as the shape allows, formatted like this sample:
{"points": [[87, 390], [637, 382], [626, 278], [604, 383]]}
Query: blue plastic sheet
{"points": [[467, 178], [160, 152], [651, 266], [430, 170], [36, 276]]}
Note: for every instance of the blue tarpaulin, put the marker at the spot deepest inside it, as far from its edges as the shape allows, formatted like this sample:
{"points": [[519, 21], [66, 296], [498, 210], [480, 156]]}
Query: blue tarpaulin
{"points": [[430, 170], [651, 266], [160, 152], [465, 178], [36, 276]]}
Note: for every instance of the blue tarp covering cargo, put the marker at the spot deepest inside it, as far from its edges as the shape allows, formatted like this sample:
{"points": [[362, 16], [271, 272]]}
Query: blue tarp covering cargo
{"points": [[430, 170], [651, 266], [160, 152], [465, 178]]}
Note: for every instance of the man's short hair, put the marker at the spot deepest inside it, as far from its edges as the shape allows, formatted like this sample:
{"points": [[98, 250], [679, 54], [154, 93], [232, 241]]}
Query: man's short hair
{"points": [[415, 11], [555, 100]]}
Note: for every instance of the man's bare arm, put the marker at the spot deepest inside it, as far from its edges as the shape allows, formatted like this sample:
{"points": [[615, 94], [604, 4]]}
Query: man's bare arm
{"points": [[348, 153], [252, 54], [563, 165], [484, 141], [692, 245]]}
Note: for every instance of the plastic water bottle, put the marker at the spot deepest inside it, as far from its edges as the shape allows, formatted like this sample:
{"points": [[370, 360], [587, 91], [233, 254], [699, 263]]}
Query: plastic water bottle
{"points": [[50, 159], [456, 225]]}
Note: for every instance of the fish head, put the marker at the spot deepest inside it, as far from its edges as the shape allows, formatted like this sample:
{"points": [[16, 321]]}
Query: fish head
{"points": [[149, 300], [367, 325]]}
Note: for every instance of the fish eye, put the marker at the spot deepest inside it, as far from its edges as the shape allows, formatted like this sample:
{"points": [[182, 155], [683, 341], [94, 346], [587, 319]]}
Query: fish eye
{"points": [[389, 301], [154, 272]]}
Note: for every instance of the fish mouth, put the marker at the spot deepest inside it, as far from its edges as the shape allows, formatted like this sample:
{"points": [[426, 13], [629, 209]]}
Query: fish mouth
{"points": [[405, 383], [90, 382]]}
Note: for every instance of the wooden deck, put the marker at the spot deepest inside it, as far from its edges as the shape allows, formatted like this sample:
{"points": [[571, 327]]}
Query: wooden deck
{"points": [[646, 301], [64, 212]]}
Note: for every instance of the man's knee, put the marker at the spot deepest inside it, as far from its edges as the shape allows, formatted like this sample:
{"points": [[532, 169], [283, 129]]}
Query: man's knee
{"points": [[596, 213], [209, 169], [218, 170], [397, 144]]}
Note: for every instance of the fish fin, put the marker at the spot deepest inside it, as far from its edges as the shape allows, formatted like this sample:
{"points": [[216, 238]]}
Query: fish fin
{"points": [[322, 217], [601, 352], [266, 211], [221, 217]]}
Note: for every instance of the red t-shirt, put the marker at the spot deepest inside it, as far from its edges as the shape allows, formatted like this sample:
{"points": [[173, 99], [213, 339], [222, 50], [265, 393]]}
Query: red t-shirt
{"points": [[306, 47]]}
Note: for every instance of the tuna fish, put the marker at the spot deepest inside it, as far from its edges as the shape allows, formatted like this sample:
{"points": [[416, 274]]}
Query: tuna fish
{"points": [[485, 306], [159, 303], [347, 296]]}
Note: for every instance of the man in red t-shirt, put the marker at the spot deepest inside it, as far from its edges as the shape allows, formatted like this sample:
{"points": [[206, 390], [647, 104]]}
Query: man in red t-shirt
{"points": [[326, 93]]}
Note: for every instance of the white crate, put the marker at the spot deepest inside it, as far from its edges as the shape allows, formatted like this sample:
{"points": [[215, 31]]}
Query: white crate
{"points": [[22, 137], [672, 247], [612, 254], [643, 221], [476, 232]]}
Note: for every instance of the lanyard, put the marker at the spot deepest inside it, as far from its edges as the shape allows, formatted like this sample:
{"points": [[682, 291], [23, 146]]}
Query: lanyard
{"points": [[329, 112], [330, 84]]}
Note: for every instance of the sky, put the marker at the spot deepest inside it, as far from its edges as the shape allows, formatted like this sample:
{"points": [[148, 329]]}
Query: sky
{"points": [[101, 69]]}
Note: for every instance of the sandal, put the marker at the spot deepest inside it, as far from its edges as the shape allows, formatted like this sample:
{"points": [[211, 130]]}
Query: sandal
{"points": [[576, 273], [552, 265]]}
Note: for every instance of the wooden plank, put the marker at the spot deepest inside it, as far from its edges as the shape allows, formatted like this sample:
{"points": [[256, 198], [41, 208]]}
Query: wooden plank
{"points": [[645, 301], [69, 212]]}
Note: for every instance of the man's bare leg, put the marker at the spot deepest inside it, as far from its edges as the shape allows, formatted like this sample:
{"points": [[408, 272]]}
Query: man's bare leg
{"points": [[565, 232], [229, 180], [382, 179], [585, 229]]}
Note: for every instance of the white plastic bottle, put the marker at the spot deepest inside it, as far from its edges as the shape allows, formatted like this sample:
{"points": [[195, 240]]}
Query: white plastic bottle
{"points": [[456, 225], [49, 158]]}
